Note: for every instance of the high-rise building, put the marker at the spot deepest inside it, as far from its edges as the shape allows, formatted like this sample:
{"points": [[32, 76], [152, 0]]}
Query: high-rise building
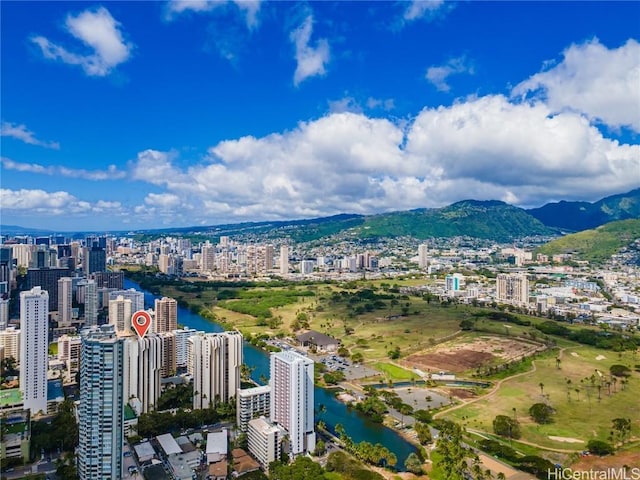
{"points": [[136, 297], [91, 303], [182, 345], [292, 398], [69, 352], [284, 259], [214, 363], [47, 278], [101, 409], [120, 312], [4, 314], [109, 279], [94, 259], [34, 346], [141, 379], [423, 255], [208, 257], [453, 282], [512, 288], [168, 365], [252, 403], [10, 341], [166, 310], [22, 254], [65, 301]]}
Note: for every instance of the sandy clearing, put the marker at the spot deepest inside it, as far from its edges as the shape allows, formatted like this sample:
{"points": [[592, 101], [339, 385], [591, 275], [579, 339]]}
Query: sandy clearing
{"points": [[566, 439], [600, 357]]}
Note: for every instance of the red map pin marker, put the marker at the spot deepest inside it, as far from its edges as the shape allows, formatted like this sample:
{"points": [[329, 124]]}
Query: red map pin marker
{"points": [[141, 321]]}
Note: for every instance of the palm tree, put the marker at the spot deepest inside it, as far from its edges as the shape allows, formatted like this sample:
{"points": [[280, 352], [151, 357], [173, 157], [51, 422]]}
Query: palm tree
{"points": [[541, 385]]}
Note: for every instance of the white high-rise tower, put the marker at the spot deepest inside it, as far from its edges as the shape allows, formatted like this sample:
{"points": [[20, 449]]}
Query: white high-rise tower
{"points": [[34, 344], [284, 259], [292, 398]]}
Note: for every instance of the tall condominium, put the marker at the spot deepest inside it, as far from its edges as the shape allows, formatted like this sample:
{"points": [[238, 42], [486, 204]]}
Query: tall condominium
{"points": [[214, 363], [142, 364], [512, 288], [65, 301], [120, 312], [91, 303], [136, 297], [34, 345], [101, 409], [182, 344], [166, 315], [292, 398], [208, 257], [423, 255], [47, 279], [4, 314], [284, 259]]}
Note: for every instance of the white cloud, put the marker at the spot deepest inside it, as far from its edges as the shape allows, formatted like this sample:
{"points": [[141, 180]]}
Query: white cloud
{"points": [[386, 104], [21, 132], [422, 8], [164, 200], [310, 61], [249, 8], [41, 202], [99, 31], [601, 83], [438, 75], [112, 172], [483, 148]]}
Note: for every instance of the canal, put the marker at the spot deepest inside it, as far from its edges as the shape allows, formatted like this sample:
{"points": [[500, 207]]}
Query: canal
{"points": [[356, 426]]}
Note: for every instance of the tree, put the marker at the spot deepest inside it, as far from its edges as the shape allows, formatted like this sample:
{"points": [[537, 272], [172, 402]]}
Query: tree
{"points": [[600, 447], [541, 413], [303, 468], [413, 464], [320, 448], [622, 427], [424, 433], [506, 426], [541, 385]]}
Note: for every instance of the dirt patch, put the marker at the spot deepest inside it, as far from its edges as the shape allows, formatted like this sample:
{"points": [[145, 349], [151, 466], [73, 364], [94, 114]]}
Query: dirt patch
{"points": [[462, 393], [460, 355], [619, 460], [451, 362]]}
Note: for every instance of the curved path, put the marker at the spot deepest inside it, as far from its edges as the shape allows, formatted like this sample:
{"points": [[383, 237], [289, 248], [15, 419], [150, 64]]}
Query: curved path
{"points": [[493, 392]]}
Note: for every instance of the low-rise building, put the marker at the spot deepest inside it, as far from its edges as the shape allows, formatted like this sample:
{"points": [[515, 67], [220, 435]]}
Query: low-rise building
{"points": [[252, 403], [265, 440]]}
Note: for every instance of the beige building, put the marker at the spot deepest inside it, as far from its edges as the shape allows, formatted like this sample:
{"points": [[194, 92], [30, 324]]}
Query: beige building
{"points": [[512, 288], [214, 363]]}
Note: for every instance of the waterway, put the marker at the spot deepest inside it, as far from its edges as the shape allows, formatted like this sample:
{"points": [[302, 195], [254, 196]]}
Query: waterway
{"points": [[357, 427]]}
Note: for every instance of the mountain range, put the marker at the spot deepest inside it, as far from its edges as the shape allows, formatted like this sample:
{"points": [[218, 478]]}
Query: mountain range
{"points": [[492, 220]]}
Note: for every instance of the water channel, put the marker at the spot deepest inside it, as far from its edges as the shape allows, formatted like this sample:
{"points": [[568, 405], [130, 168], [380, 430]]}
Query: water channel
{"points": [[356, 426]]}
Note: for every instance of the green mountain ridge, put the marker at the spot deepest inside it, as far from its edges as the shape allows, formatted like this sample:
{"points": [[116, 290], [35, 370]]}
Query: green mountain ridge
{"points": [[597, 244], [578, 216], [492, 220]]}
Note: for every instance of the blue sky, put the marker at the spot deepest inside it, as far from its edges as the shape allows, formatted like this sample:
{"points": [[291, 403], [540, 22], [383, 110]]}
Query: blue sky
{"points": [[120, 115]]}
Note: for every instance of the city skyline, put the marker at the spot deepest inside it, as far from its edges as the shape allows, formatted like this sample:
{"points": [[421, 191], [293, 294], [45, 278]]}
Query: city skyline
{"points": [[119, 116]]}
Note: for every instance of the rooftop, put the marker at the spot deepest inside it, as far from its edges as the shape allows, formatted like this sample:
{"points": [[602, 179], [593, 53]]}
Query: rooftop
{"points": [[169, 444], [217, 442], [317, 338]]}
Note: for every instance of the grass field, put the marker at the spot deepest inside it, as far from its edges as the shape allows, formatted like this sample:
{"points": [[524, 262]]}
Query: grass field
{"points": [[394, 372], [580, 415]]}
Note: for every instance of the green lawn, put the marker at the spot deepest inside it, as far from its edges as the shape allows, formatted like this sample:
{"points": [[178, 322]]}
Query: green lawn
{"points": [[579, 414], [394, 372]]}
